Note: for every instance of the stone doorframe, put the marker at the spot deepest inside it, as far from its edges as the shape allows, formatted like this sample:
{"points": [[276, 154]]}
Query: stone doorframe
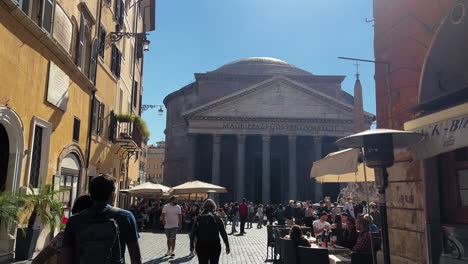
{"points": [[75, 149], [15, 130]]}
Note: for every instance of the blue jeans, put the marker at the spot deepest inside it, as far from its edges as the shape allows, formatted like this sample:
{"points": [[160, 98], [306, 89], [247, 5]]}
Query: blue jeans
{"points": [[234, 223]]}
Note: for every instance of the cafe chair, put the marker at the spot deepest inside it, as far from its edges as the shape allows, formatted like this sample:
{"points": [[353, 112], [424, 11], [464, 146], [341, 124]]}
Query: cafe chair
{"points": [[361, 258], [309, 255], [288, 251]]}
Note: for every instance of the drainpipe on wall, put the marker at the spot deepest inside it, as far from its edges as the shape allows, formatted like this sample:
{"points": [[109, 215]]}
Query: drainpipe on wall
{"points": [[93, 97]]}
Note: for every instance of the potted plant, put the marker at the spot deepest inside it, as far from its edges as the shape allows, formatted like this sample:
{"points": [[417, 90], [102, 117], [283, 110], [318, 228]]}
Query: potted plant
{"points": [[144, 128], [125, 118], [36, 205], [9, 204]]}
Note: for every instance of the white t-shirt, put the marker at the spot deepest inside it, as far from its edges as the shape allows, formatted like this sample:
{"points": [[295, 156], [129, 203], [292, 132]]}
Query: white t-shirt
{"points": [[171, 217], [319, 225], [349, 206]]}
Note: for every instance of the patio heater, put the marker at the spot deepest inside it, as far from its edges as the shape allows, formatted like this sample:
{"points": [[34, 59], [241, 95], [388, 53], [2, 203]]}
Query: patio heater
{"points": [[378, 146]]}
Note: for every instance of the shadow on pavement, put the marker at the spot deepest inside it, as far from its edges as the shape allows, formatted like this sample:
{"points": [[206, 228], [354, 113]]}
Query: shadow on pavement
{"points": [[169, 260]]}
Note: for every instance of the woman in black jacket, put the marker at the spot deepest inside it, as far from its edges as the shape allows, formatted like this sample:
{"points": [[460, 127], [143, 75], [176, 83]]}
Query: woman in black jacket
{"points": [[350, 235], [206, 231]]}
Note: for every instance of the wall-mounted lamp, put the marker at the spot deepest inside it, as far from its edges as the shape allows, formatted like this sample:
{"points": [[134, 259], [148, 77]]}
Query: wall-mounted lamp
{"points": [[146, 107]]}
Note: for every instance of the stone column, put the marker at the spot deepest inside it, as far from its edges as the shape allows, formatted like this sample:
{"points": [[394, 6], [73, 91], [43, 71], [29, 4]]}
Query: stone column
{"points": [[266, 170], [292, 169], [240, 167], [318, 155], [215, 172], [193, 157]]}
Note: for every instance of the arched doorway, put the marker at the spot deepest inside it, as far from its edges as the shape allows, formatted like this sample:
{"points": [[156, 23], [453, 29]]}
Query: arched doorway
{"points": [[11, 149], [4, 155], [69, 181]]}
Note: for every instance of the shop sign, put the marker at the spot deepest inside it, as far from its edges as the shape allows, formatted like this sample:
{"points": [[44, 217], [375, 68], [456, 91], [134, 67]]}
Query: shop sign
{"points": [[442, 136]]}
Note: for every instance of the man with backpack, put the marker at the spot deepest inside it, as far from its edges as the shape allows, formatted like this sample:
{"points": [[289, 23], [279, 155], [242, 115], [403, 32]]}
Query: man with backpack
{"points": [[206, 231], [98, 235]]}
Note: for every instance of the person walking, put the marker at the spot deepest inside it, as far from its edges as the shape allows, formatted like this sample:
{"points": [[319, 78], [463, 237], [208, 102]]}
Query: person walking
{"points": [[206, 231], [192, 216], [251, 209], [172, 220], [243, 214], [50, 253], [260, 216], [290, 213], [117, 228], [234, 214], [280, 215]]}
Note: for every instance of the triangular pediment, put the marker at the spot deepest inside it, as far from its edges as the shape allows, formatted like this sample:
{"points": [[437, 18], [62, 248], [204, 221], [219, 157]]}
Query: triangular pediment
{"points": [[278, 97]]}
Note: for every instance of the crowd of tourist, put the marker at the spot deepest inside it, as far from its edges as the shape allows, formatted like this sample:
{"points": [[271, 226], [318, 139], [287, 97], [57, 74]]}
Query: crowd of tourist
{"points": [[348, 225]]}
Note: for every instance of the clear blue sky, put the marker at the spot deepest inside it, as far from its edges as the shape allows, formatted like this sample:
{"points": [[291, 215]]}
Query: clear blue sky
{"points": [[196, 36]]}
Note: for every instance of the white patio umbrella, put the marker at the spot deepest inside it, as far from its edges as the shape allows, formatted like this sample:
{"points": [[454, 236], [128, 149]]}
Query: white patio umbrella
{"points": [[198, 187], [342, 166], [149, 188]]}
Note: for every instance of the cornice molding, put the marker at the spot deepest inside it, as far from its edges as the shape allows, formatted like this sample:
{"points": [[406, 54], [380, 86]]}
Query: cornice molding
{"points": [[271, 119]]}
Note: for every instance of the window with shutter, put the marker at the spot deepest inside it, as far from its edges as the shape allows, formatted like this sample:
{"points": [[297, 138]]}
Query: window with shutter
{"points": [[113, 58], [112, 126], [102, 41], [101, 119], [47, 12], [76, 129], [94, 123], [118, 63], [80, 44], [117, 11], [26, 6], [93, 60], [122, 14], [135, 94]]}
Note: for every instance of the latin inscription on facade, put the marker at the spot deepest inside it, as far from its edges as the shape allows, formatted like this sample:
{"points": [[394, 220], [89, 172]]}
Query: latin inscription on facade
{"points": [[63, 29], [57, 92], [280, 126]]}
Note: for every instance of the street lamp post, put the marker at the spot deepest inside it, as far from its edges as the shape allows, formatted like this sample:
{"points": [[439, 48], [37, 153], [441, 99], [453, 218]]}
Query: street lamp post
{"points": [[378, 145]]}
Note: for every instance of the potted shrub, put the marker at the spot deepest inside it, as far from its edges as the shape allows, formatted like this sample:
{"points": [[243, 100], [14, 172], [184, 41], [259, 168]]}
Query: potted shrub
{"points": [[125, 118], [36, 205]]}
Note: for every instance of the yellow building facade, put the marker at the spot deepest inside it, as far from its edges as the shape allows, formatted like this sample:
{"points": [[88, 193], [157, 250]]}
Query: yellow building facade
{"points": [[65, 83], [155, 162]]}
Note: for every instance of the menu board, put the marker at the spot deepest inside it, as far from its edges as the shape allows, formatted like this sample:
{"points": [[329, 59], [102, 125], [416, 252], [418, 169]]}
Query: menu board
{"points": [[57, 92], [63, 29]]}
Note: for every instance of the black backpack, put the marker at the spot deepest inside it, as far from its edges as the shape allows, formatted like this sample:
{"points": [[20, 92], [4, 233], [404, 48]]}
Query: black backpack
{"points": [[98, 239], [207, 229]]}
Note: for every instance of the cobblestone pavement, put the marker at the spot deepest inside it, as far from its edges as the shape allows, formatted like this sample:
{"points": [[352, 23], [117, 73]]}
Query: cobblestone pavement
{"points": [[247, 249]]}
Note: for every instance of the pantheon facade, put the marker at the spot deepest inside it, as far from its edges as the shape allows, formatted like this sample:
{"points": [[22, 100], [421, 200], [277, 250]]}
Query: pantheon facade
{"points": [[255, 126]]}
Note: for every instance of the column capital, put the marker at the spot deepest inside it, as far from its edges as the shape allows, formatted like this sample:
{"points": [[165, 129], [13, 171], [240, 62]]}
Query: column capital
{"points": [[266, 138], [216, 139], [317, 138], [292, 139], [241, 139]]}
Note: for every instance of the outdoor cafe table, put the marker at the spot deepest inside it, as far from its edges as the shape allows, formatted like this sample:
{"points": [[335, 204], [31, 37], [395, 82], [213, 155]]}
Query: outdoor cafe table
{"points": [[331, 249], [334, 250], [336, 259]]}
